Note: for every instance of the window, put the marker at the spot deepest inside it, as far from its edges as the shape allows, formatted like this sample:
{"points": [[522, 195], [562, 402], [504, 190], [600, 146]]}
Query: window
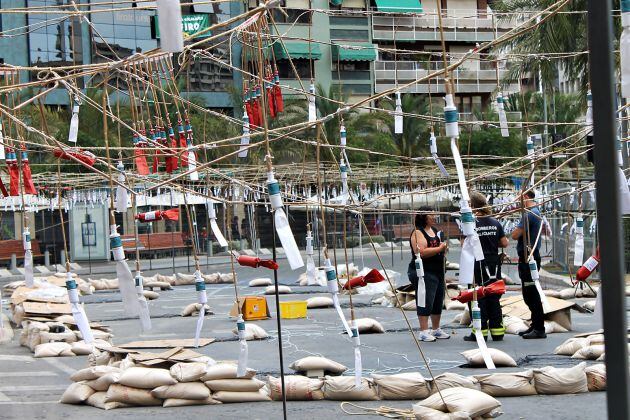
{"points": [[351, 66], [302, 66], [349, 34], [293, 16]]}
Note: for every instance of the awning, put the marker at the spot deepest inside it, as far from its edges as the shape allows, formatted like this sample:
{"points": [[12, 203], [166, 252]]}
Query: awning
{"points": [[399, 6], [353, 52], [297, 50]]}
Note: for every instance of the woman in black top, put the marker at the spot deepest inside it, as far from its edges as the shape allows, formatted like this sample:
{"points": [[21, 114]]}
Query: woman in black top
{"points": [[426, 243]]}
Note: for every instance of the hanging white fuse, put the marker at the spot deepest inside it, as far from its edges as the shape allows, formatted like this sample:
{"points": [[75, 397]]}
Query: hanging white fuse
{"points": [[2, 155], [283, 228], [312, 110], [245, 137], [450, 117], [358, 364], [122, 196], [342, 136], [578, 252], [421, 290], [398, 115], [503, 123], [202, 299], [533, 269], [343, 170], [29, 278], [78, 313], [170, 25], [530, 148], [311, 270], [434, 150], [243, 354], [192, 160], [126, 282], [212, 215], [145, 317], [74, 123], [333, 288]]}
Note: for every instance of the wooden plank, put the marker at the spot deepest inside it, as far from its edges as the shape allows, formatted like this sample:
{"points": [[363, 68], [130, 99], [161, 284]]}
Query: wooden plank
{"points": [[162, 344]]}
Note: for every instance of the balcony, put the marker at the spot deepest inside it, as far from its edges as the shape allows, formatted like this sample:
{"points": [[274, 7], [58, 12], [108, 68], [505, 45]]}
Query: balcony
{"points": [[459, 25]]}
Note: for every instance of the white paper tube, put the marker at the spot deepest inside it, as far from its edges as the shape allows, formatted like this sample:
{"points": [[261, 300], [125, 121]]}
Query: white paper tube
{"points": [[450, 117], [170, 25], [287, 239]]}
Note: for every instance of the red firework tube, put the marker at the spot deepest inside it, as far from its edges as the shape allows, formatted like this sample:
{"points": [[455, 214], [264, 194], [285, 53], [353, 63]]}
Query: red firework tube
{"points": [[255, 262], [496, 288], [588, 267], [27, 177], [172, 215], [70, 154]]}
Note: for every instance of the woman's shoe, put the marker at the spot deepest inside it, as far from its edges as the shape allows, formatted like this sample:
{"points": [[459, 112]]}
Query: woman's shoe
{"points": [[439, 334], [426, 336]]}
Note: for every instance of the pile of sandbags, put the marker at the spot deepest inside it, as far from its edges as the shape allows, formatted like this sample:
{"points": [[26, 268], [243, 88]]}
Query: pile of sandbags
{"points": [[188, 279], [462, 403], [226, 387], [56, 338], [571, 293], [589, 347], [103, 284]]}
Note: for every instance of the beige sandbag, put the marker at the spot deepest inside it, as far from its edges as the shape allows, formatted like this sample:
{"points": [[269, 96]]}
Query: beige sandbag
{"points": [[343, 388], [253, 332], [235, 385], [53, 350], [298, 388], [590, 305], [514, 325], [260, 282], [475, 359], [553, 327], [282, 290], [552, 293], [512, 384], [589, 352], [596, 377], [140, 377], [18, 314], [86, 289], [150, 294], [226, 278], [319, 302], [98, 400], [213, 278], [193, 309], [455, 305], [237, 397], [76, 393], [81, 348], [176, 402], [426, 413], [6, 332], [452, 380], [595, 339], [309, 363], [183, 391], [97, 334], [402, 386], [602, 357], [131, 396], [49, 337], [551, 380], [111, 284], [162, 285], [568, 293], [103, 383], [472, 402], [91, 373], [188, 372], [465, 319], [411, 306], [65, 319], [225, 371], [369, 326], [167, 279], [570, 346], [183, 279]]}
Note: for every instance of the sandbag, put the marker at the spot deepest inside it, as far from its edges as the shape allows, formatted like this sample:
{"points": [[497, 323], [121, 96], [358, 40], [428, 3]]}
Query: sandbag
{"points": [[512, 384], [176, 402], [318, 363], [253, 332], [53, 350], [225, 371], [282, 290], [226, 278], [343, 388], [319, 302], [167, 279], [237, 397], [76, 393], [411, 306], [65, 319], [140, 377], [570, 346], [455, 305], [131, 396], [193, 309], [553, 327], [150, 294], [184, 279], [402, 386], [81, 348], [596, 377], [589, 352], [551, 380], [97, 334], [472, 402], [188, 372], [475, 359], [6, 332], [211, 278], [98, 400], [261, 282], [235, 385], [154, 284], [103, 383], [426, 413], [183, 391], [595, 339], [590, 305], [91, 373], [369, 326], [514, 325], [568, 293], [452, 380], [298, 388], [465, 319], [49, 337]]}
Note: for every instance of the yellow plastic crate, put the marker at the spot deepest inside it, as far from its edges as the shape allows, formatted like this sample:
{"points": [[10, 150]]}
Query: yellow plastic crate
{"points": [[293, 309]]}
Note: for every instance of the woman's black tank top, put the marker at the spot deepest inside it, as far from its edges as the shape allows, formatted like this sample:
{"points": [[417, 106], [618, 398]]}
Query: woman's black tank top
{"points": [[436, 262]]}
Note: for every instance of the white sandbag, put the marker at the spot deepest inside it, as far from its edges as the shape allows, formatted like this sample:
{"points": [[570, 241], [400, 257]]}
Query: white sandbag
{"points": [[595, 339], [91, 373], [261, 282], [455, 305], [182, 391], [343, 388], [298, 388], [551, 380], [369, 326], [570, 346], [319, 302], [402, 386], [282, 290], [514, 325], [154, 284], [211, 278], [411, 306], [553, 327], [150, 294], [252, 332], [65, 319], [140, 377], [226, 278], [224, 371], [184, 279], [193, 309], [426, 413], [176, 402], [474, 403], [76, 393], [167, 279], [452, 380], [131, 396], [234, 385], [60, 349], [475, 359], [512, 384], [49, 337], [97, 334], [98, 400], [596, 377], [465, 319], [103, 383], [309, 363], [188, 372], [552, 293], [568, 293], [590, 305], [238, 397], [81, 348], [589, 352]]}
